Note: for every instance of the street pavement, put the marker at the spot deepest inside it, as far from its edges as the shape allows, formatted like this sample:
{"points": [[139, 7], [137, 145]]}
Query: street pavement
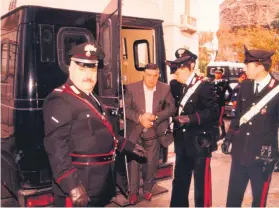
{"points": [[220, 167]]}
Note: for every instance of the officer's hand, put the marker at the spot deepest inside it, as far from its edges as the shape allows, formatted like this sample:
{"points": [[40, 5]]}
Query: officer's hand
{"points": [[226, 147], [139, 151], [183, 119], [79, 196]]}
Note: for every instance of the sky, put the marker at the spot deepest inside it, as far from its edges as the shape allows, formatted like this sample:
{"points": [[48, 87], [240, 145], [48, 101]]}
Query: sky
{"points": [[208, 19]]}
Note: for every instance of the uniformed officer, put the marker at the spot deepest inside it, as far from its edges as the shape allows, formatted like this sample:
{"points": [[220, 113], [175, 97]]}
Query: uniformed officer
{"points": [[177, 88], [195, 133], [241, 77], [253, 132], [221, 87], [79, 138]]}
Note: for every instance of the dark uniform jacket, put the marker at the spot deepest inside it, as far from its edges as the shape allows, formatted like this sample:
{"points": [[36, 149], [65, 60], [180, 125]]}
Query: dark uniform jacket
{"points": [[235, 93], [220, 87], [163, 107], [80, 142], [176, 91], [261, 130], [203, 110]]}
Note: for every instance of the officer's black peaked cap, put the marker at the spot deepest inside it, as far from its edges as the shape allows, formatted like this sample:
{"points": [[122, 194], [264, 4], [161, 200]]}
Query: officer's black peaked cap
{"points": [[257, 55], [88, 52], [218, 70], [183, 57]]}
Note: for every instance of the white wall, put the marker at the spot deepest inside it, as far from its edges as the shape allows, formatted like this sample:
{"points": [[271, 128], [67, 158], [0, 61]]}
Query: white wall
{"points": [[174, 38]]}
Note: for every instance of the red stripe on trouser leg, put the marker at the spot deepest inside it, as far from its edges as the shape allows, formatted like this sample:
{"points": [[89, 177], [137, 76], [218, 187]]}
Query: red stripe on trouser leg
{"points": [[68, 202], [207, 184], [221, 115], [210, 188], [264, 192]]}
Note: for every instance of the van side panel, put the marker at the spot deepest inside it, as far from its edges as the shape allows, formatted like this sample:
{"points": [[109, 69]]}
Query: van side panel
{"points": [[10, 45]]}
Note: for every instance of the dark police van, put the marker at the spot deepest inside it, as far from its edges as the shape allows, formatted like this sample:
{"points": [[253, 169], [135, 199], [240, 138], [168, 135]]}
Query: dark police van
{"points": [[34, 60]]}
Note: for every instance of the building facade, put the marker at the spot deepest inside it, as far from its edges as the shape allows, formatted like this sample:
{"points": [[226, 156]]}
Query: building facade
{"points": [[180, 25]]}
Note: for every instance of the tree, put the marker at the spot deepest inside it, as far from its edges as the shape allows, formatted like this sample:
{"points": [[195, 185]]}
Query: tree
{"points": [[204, 52], [254, 37]]}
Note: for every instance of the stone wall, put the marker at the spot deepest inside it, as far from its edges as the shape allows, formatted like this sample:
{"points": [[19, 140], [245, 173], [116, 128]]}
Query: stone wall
{"points": [[248, 12], [238, 13]]}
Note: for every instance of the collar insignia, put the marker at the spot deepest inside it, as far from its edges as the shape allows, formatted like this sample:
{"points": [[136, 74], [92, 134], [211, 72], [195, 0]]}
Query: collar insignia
{"points": [[272, 82]]}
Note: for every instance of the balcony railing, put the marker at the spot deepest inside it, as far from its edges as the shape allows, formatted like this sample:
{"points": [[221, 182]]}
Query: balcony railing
{"points": [[188, 24]]}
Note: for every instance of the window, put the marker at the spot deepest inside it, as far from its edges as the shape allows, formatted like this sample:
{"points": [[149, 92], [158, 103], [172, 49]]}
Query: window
{"points": [[68, 37], [8, 61], [212, 69], [141, 54], [47, 43], [107, 44], [4, 60]]}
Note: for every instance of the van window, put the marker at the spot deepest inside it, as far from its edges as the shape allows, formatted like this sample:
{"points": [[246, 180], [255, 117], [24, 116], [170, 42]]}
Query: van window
{"points": [[107, 44], [212, 69], [4, 60], [8, 59], [141, 54], [68, 37]]}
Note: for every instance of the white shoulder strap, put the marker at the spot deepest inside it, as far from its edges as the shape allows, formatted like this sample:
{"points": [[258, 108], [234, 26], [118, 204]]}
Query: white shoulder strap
{"points": [[254, 110], [188, 94]]}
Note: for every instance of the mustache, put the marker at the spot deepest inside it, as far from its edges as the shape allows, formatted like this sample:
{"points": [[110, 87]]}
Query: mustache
{"points": [[88, 80]]}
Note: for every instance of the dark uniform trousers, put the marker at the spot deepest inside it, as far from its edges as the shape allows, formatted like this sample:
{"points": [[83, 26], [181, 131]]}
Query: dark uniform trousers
{"points": [[184, 167], [202, 109], [239, 177], [220, 87]]}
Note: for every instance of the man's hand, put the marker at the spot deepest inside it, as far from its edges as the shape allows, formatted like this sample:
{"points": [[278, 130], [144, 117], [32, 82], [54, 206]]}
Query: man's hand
{"points": [[183, 119], [226, 147], [139, 151], [79, 196], [146, 120]]}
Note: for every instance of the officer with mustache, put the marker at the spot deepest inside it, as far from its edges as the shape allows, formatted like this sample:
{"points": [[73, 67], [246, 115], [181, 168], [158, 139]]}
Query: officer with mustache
{"points": [[79, 138]]}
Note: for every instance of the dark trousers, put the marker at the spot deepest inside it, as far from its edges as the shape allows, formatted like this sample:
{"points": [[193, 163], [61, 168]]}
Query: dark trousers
{"points": [[239, 178], [149, 167], [184, 166], [60, 201]]}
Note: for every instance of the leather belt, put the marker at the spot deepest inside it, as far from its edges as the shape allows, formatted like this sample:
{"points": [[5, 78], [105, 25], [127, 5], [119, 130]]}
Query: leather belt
{"points": [[91, 159]]}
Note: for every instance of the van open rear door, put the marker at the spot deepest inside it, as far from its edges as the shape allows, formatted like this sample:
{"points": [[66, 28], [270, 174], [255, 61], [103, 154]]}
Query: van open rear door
{"points": [[110, 23], [109, 37]]}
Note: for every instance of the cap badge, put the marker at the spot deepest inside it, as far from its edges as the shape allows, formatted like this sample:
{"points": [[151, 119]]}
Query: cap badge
{"points": [[180, 52], [88, 48]]}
